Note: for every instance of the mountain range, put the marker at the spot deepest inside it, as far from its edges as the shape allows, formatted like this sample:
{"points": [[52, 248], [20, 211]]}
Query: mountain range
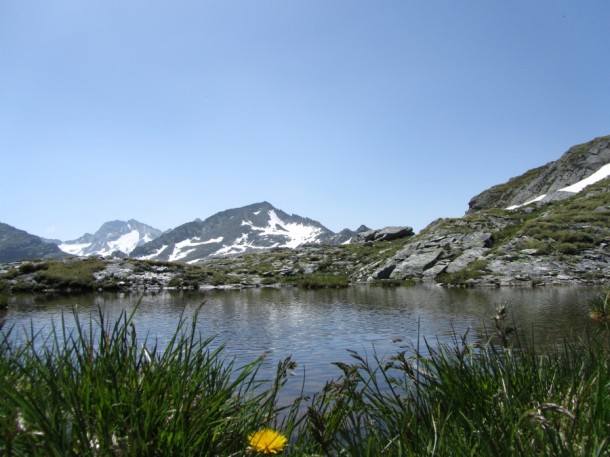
{"points": [[261, 226], [250, 228]]}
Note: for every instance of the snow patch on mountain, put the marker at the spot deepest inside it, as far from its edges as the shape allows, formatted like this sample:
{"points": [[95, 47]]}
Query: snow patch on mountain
{"points": [[529, 202], [296, 234], [184, 248], [125, 243], [155, 254], [74, 248], [600, 174], [240, 245]]}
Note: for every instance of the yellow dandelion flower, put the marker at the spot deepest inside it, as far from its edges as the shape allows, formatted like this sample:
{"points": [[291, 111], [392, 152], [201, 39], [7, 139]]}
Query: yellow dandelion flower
{"points": [[267, 441]]}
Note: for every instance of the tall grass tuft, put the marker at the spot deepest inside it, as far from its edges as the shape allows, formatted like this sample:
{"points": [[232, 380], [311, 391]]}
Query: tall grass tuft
{"points": [[600, 307], [99, 390], [460, 399]]}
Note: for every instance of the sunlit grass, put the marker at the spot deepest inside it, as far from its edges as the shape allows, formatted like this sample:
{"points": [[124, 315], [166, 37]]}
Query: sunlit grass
{"points": [[100, 390]]}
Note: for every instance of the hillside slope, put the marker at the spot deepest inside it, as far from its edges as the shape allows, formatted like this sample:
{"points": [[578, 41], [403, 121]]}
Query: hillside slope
{"points": [[16, 245], [549, 182], [558, 238]]}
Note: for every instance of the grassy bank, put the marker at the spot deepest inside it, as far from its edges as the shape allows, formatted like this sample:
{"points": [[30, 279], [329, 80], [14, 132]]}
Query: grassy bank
{"points": [[102, 390]]}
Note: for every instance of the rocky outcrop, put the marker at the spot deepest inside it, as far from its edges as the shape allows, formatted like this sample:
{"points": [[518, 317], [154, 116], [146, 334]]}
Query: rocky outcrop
{"points": [[566, 242], [384, 234], [445, 245], [546, 182]]}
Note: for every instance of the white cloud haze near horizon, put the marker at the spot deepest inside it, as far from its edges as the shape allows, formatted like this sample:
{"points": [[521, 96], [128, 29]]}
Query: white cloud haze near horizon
{"points": [[347, 112]]}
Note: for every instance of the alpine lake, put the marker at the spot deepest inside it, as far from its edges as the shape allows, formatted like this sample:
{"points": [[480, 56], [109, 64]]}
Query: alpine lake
{"points": [[319, 327]]}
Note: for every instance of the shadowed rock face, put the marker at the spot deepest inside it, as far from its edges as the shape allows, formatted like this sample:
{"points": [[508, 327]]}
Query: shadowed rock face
{"points": [[576, 164]]}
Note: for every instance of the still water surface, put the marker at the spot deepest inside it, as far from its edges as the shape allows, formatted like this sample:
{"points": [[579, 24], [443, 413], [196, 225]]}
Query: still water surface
{"points": [[317, 327]]}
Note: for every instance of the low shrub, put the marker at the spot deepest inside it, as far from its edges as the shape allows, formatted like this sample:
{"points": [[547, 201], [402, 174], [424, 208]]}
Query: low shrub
{"points": [[319, 280], [30, 267], [573, 236], [541, 247], [393, 282], [73, 275], [473, 271], [571, 248]]}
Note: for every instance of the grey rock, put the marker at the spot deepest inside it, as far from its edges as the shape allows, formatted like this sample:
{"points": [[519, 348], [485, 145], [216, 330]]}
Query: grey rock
{"points": [[384, 234], [309, 268], [477, 240], [465, 259], [435, 270], [385, 272], [393, 233], [529, 251], [416, 264]]}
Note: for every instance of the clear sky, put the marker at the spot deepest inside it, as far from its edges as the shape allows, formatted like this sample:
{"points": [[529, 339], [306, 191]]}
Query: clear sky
{"points": [[386, 112]]}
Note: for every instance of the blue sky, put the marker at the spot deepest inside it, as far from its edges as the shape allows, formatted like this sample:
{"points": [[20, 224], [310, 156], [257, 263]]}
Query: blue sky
{"points": [[348, 112]]}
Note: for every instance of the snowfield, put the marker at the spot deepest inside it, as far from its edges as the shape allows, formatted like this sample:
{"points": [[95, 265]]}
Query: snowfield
{"points": [[600, 174], [296, 234], [184, 248], [74, 249]]}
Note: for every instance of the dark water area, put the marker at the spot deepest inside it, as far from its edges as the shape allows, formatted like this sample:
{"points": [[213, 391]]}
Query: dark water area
{"points": [[318, 327]]}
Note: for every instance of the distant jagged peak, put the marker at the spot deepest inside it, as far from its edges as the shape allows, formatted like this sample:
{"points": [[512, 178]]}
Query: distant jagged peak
{"points": [[115, 237]]}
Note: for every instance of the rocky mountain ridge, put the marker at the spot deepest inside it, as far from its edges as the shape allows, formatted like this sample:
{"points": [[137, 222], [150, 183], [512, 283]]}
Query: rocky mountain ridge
{"points": [[255, 227]]}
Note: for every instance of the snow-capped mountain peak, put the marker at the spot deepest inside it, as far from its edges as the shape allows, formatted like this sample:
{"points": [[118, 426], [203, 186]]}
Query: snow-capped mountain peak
{"points": [[250, 228], [115, 237]]}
